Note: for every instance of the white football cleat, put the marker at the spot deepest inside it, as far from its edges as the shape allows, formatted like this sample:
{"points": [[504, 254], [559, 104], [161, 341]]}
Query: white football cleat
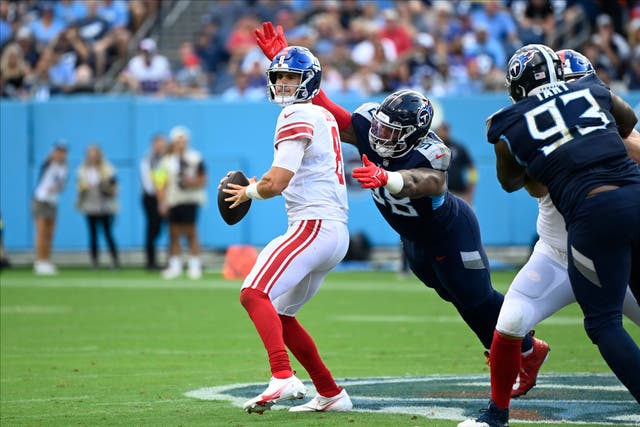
{"points": [[278, 390], [194, 273], [339, 402], [44, 268]]}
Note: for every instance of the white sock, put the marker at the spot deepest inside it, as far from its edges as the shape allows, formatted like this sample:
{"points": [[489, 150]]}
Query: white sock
{"points": [[175, 263], [194, 263]]}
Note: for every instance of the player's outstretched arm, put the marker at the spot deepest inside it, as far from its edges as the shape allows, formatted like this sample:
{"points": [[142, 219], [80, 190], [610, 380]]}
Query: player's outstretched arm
{"points": [[534, 188], [343, 117], [422, 182], [510, 173], [412, 183], [271, 40], [623, 113]]}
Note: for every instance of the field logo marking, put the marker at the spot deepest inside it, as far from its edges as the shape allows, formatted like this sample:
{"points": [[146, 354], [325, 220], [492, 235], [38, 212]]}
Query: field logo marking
{"points": [[596, 399]]}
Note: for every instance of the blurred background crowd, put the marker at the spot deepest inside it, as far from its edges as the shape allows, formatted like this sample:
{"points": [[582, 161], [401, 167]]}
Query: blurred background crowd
{"points": [[199, 48]]}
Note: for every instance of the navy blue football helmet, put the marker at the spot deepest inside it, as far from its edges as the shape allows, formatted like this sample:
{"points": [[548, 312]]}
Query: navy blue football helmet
{"points": [[298, 60], [575, 64], [532, 66], [400, 123]]}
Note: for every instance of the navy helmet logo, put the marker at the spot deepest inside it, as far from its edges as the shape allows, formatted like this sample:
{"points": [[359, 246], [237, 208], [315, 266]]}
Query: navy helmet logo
{"points": [[424, 114], [519, 63]]}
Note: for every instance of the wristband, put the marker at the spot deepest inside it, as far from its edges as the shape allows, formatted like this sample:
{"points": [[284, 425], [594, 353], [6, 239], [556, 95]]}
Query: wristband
{"points": [[395, 182], [252, 191]]}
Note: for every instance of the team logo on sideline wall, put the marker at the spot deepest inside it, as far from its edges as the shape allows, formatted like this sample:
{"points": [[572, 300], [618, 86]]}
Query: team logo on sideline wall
{"points": [[597, 399]]}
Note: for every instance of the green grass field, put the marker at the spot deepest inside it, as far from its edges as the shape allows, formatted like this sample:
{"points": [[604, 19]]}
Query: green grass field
{"points": [[107, 348]]}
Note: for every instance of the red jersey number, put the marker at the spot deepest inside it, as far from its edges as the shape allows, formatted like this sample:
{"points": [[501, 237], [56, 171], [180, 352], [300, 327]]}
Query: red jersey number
{"points": [[338, 150]]}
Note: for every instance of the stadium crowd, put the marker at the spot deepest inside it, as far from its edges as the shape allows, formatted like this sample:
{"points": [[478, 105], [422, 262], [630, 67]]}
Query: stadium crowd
{"points": [[367, 47], [64, 46]]}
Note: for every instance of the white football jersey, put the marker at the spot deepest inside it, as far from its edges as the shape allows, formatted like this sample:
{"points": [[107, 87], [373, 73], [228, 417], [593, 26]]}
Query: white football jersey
{"points": [[317, 189], [550, 224]]}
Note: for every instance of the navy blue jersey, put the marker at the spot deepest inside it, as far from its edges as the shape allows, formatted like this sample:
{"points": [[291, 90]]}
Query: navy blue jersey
{"points": [[411, 218], [567, 139]]}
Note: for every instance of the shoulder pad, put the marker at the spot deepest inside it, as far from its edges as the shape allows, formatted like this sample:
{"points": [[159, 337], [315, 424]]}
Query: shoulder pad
{"points": [[367, 109], [297, 112], [438, 154]]}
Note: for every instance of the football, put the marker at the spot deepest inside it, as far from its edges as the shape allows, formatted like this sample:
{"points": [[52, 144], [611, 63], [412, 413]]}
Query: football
{"points": [[232, 216]]}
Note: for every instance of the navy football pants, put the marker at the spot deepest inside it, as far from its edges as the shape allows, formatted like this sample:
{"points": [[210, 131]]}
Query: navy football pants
{"points": [[604, 237], [450, 258]]}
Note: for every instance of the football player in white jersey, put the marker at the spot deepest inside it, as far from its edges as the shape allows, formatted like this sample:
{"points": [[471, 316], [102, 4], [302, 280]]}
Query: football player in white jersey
{"points": [[307, 171], [541, 287]]}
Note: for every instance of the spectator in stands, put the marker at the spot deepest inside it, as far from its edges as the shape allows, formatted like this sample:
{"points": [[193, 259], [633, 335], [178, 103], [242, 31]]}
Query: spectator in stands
{"points": [[397, 31], [369, 48], [241, 90], [100, 35], [116, 42], [633, 72], [240, 42], [226, 13], [180, 198], [69, 11], [115, 12], [481, 44], [97, 200], [24, 37], [537, 22], [51, 182], [148, 73], [462, 174], [210, 48], [365, 81], [139, 10], [501, 24], [615, 51], [65, 61], [328, 31], [46, 27], [152, 177], [5, 25], [190, 80], [15, 73]]}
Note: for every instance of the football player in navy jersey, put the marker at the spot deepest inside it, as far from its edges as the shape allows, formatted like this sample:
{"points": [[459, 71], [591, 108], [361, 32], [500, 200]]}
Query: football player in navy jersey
{"points": [[542, 285], [565, 136], [405, 164]]}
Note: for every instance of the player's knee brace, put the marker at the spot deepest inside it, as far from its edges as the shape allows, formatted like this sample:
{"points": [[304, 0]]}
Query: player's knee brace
{"points": [[511, 320]]}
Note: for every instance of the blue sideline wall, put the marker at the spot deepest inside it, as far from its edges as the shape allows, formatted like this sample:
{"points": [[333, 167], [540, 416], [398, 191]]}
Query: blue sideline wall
{"points": [[230, 136]]}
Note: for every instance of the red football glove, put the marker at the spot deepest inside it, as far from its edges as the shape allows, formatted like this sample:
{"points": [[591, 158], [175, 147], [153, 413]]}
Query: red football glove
{"points": [[270, 41], [370, 175]]}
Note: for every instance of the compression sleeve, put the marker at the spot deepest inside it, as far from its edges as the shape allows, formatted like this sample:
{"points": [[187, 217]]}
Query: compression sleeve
{"points": [[343, 117]]}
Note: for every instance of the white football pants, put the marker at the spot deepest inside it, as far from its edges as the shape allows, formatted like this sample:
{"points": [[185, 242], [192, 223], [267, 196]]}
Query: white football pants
{"points": [[291, 268], [540, 289]]}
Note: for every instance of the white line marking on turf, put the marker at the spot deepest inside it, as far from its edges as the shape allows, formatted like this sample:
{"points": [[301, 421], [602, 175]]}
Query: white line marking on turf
{"points": [[47, 399], [34, 309], [204, 284]]}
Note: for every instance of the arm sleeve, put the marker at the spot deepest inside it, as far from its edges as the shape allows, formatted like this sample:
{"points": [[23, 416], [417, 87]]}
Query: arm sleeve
{"points": [[289, 154], [343, 117]]}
